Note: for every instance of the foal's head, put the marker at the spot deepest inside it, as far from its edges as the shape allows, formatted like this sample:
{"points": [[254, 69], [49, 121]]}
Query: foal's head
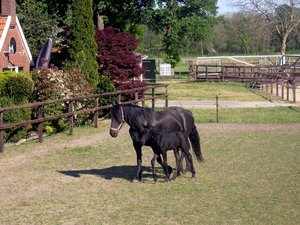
{"points": [[117, 119]]}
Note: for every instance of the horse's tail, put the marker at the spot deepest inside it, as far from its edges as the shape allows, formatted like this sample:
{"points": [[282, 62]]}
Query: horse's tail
{"points": [[195, 141]]}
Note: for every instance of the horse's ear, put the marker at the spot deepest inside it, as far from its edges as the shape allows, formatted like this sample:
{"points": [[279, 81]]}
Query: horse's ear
{"points": [[115, 103]]}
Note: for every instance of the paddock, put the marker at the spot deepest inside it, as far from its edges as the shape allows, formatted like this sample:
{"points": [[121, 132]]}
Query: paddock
{"points": [[250, 176]]}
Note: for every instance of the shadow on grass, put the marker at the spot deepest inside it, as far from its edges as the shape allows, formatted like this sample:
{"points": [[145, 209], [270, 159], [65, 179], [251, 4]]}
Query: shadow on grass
{"points": [[123, 172]]}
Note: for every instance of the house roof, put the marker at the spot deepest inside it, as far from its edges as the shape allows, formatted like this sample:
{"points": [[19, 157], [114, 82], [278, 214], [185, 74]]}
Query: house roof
{"points": [[4, 27]]}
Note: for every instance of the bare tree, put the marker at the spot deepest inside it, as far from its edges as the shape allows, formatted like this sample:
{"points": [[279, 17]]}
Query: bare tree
{"points": [[283, 16]]}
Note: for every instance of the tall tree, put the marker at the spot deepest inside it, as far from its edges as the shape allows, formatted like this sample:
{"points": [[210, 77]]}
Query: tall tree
{"points": [[281, 15], [82, 47], [172, 15], [37, 24], [123, 15]]}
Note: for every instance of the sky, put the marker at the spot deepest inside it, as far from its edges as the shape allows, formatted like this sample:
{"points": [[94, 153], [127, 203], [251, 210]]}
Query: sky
{"points": [[225, 7]]}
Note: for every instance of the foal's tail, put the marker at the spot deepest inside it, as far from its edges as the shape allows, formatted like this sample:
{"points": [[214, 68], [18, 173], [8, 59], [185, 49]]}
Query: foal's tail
{"points": [[195, 141]]}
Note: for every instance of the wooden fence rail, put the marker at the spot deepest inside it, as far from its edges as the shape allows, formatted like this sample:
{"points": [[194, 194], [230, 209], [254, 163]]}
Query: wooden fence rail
{"points": [[141, 95], [273, 79]]}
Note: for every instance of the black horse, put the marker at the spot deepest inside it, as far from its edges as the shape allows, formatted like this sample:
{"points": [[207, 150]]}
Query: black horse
{"points": [[161, 143], [167, 121]]}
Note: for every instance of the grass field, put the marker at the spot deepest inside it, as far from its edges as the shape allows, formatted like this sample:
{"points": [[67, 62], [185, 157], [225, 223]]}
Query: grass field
{"points": [[250, 176], [198, 91]]}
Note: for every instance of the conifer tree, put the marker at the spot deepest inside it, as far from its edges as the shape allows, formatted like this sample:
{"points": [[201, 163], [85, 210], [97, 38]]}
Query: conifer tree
{"points": [[82, 47]]}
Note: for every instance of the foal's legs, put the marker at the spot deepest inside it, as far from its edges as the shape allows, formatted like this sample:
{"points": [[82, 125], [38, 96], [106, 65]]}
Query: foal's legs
{"points": [[177, 159], [165, 165], [159, 160], [153, 166], [138, 151], [190, 160]]}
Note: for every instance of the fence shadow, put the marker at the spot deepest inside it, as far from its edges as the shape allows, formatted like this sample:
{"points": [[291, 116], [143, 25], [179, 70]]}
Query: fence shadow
{"points": [[123, 172]]}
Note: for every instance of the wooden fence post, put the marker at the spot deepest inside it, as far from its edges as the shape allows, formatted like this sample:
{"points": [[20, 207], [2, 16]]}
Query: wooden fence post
{"points": [[40, 124], [96, 113], [287, 91], [1, 134], [119, 98], [282, 89], [153, 96], [71, 117], [166, 103], [217, 108], [143, 102], [294, 91], [136, 96]]}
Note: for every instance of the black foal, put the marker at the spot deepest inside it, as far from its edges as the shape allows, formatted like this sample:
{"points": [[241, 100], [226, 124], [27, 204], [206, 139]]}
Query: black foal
{"points": [[161, 143]]}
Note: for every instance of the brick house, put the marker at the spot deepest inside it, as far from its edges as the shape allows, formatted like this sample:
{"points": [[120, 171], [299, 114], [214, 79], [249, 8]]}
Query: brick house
{"points": [[14, 51]]}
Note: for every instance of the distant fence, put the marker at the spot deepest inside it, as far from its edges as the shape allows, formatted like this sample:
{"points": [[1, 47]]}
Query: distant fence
{"points": [[141, 95], [280, 80]]}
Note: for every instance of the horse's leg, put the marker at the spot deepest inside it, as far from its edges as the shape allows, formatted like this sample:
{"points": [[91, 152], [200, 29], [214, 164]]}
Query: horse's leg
{"points": [[138, 151], [153, 167], [176, 154], [188, 165], [190, 160], [165, 165], [159, 160]]}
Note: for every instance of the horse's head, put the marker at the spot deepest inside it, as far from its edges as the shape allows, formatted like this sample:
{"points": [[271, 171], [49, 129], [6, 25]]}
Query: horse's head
{"points": [[117, 119]]}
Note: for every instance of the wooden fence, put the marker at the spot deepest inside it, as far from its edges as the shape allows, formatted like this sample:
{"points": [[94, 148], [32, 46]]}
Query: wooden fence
{"points": [[141, 95], [280, 80]]}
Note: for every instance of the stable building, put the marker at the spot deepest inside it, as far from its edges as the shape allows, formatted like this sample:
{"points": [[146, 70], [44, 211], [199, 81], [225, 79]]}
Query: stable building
{"points": [[14, 51]]}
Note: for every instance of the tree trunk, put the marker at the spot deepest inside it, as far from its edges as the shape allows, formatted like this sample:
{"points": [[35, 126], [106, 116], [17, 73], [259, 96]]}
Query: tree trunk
{"points": [[283, 43]]}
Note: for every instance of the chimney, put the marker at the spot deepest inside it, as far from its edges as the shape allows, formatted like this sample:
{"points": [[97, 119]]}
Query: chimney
{"points": [[8, 8]]}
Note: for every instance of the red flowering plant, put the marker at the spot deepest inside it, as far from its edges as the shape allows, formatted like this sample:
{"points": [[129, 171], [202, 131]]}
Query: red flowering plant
{"points": [[117, 59]]}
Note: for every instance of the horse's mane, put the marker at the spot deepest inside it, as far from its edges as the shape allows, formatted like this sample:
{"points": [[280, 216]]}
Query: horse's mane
{"points": [[134, 111]]}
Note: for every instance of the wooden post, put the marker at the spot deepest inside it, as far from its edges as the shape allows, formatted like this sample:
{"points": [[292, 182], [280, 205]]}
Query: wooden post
{"points": [[206, 72], [287, 91], [96, 113], [1, 133], [217, 108], [153, 96], [136, 97], [294, 91], [119, 98], [166, 103], [40, 124], [143, 102], [282, 89], [271, 86], [70, 118]]}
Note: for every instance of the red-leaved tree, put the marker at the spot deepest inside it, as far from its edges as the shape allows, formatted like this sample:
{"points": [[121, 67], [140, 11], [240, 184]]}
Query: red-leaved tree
{"points": [[117, 59]]}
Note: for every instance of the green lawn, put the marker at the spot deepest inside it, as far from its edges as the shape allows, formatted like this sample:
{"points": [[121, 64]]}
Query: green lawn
{"points": [[250, 176], [272, 115], [198, 91]]}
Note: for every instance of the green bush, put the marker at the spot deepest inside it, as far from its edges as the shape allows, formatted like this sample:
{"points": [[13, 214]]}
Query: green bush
{"points": [[15, 89], [105, 85], [15, 134]]}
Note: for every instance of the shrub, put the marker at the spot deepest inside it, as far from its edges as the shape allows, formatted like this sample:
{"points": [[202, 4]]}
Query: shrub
{"points": [[15, 88], [117, 59], [57, 84], [105, 85]]}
